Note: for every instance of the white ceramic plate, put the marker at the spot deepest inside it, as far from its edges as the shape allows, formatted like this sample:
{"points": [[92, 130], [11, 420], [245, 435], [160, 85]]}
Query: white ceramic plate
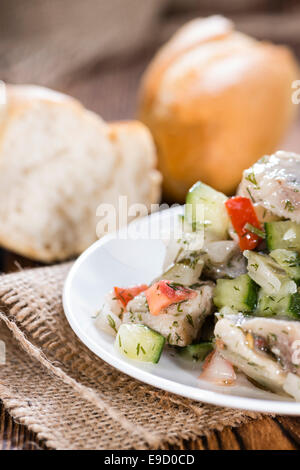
{"points": [[118, 261]]}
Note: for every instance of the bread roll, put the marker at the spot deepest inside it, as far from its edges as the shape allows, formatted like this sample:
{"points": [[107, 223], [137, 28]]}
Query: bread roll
{"points": [[58, 163], [216, 101]]}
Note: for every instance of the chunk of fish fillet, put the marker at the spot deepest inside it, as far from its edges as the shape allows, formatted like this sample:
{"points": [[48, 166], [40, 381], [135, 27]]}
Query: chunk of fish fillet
{"points": [[179, 323], [269, 364], [273, 183]]}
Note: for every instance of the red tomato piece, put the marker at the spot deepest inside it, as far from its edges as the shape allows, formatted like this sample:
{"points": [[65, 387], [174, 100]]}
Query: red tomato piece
{"points": [[164, 293], [125, 295], [242, 212]]}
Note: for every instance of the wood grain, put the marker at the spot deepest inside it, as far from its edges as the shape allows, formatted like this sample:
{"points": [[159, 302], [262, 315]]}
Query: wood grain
{"points": [[111, 88], [14, 436], [280, 433]]}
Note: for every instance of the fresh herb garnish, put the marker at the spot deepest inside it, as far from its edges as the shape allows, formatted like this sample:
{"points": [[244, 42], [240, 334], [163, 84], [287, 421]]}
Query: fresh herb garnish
{"points": [[178, 338], [251, 177], [255, 230], [289, 206], [251, 197], [112, 323], [190, 320], [179, 309], [175, 285]]}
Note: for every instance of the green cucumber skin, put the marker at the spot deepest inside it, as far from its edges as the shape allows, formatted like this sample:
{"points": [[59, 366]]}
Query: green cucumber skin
{"points": [[295, 306], [242, 292], [286, 307], [216, 220], [130, 350], [159, 348], [159, 353], [251, 299], [196, 352], [274, 235]]}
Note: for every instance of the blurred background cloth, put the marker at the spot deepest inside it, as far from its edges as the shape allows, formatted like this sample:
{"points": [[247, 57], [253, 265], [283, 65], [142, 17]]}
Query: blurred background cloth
{"points": [[98, 49]]}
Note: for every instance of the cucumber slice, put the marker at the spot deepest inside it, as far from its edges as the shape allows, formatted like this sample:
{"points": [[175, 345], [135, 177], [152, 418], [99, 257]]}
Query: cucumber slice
{"points": [[213, 217], [269, 275], [186, 271], [289, 261], [283, 234], [139, 342], [196, 352], [240, 294], [281, 306]]}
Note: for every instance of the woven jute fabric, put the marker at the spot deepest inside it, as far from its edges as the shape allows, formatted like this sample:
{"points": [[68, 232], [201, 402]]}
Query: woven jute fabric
{"points": [[73, 400]]}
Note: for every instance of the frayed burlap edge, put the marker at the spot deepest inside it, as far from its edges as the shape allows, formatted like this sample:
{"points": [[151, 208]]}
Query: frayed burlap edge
{"points": [[149, 440], [84, 392]]}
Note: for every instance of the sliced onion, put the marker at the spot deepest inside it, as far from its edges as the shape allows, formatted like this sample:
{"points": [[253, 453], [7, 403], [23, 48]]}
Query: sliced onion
{"points": [[292, 386], [184, 274], [108, 317], [172, 249], [221, 251], [218, 370]]}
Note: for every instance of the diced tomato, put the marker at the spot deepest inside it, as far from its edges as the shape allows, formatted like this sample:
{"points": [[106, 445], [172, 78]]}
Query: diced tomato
{"points": [[218, 370], [164, 293], [125, 295], [242, 212]]}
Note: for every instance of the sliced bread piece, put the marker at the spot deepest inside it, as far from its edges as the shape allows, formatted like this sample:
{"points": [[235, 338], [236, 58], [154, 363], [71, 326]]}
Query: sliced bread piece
{"points": [[58, 162]]}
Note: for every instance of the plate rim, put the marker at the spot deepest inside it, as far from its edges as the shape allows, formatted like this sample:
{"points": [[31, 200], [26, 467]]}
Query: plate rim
{"points": [[128, 368]]}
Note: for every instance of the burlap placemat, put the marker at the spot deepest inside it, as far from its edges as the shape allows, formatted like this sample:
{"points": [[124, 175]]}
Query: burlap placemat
{"points": [[73, 400]]}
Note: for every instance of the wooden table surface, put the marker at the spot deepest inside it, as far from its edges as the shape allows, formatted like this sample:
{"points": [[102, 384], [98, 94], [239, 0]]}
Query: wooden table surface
{"points": [[280, 433], [110, 89]]}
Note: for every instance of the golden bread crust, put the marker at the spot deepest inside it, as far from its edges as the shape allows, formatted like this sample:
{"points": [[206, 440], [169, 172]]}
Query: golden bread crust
{"points": [[216, 106]]}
